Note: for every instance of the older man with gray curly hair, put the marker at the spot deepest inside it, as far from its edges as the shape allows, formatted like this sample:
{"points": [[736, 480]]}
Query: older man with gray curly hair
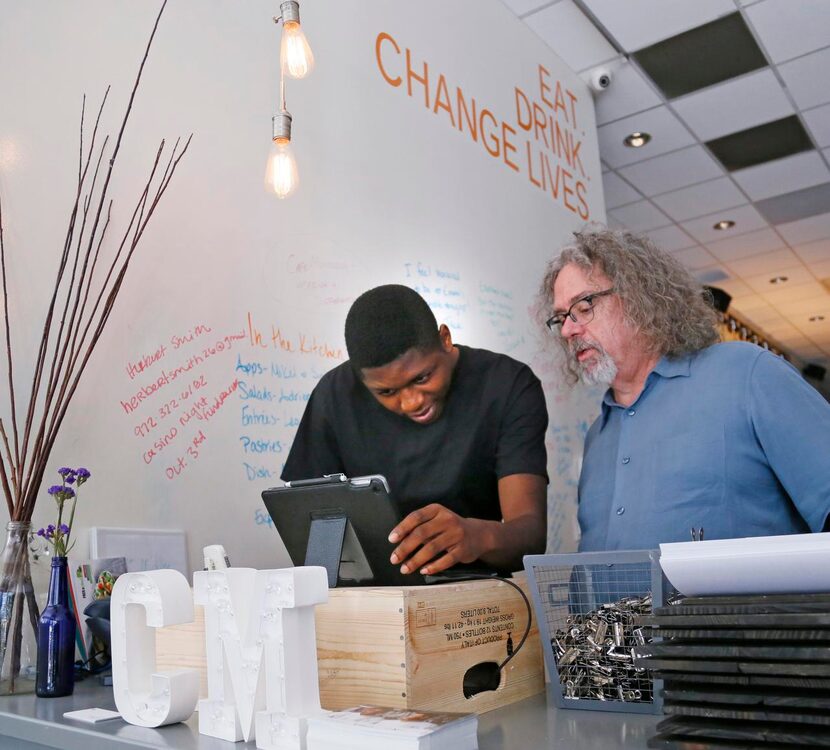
{"points": [[725, 437]]}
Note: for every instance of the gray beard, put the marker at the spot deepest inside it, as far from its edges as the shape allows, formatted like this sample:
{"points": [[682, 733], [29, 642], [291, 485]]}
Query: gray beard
{"points": [[601, 372]]}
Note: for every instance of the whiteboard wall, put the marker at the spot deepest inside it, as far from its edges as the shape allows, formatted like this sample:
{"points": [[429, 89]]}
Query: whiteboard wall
{"points": [[234, 305]]}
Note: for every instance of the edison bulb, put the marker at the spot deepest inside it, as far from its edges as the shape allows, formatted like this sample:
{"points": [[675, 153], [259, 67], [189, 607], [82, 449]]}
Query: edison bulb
{"points": [[281, 177], [295, 54]]}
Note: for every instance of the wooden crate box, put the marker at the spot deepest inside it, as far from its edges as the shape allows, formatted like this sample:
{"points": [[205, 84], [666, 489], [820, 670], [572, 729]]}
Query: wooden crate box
{"points": [[406, 647]]}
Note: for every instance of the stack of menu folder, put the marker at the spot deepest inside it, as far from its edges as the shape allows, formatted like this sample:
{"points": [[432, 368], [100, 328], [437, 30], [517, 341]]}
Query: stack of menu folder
{"points": [[742, 671]]}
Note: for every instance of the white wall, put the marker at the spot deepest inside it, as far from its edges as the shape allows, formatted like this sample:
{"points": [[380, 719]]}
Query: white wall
{"points": [[391, 191]]}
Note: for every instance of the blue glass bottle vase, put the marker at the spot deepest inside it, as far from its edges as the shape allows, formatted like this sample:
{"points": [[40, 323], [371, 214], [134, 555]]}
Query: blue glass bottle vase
{"points": [[56, 638]]}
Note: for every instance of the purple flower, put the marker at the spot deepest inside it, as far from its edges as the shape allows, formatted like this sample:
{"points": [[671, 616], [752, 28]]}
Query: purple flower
{"points": [[69, 479], [65, 471], [83, 473], [64, 529], [41, 532], [56, 489]]}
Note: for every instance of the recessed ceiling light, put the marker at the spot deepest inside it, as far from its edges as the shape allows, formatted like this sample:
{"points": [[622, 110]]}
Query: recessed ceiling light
{"points": [[637, 140], [816, 318], [779, 279], [724, 224]]}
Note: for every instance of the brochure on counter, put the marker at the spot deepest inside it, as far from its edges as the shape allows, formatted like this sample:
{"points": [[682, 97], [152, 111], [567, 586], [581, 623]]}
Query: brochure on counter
{"points": [[379, 728]]}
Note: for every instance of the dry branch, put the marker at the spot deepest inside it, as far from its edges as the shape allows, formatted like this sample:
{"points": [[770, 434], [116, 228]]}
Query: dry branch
{"points": [[80, 303]]}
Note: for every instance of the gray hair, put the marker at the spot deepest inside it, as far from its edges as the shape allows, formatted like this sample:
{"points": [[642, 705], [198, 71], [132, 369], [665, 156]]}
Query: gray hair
{"points": [[660, 298]]}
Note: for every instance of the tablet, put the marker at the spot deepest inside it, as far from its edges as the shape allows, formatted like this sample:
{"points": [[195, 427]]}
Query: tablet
{"points": [[341, 524]]}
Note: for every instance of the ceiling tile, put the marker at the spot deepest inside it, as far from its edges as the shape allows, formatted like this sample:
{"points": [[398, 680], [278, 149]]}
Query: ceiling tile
{"points": [[810, 352], [768, 323], [795, 275], [697, 200], [745, 245], [735, 287], [765, 316], [567, 31], [782, 331], [804, 308], [746, 219], [628, 93], [762, 143], [788, 28], [806, 230], [783, 175], [814, 252], [757, 320], [701, 57], [782, 326], [638, 23], [793, 292], [640, 216], [521, 7], [796, 340], [754, 303], [712, 275], [667, 134], [695, 258], [799, 204], [818, 122], [821, 270], [806, 78], [765, 263], [617, 191], [672, 171], [671, 238], [740, 103]]}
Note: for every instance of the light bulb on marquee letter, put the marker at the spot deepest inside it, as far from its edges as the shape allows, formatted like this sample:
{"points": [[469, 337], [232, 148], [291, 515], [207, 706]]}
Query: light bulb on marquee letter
{"points": [[281, 176], [296, 57]]}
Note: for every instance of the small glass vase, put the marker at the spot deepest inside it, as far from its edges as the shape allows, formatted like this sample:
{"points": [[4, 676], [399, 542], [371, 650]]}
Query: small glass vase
{"points": [[56, 638], [18, 613]]}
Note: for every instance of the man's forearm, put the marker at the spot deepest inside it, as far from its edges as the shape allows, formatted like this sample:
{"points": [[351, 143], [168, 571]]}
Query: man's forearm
{"points": [[506, 542]]}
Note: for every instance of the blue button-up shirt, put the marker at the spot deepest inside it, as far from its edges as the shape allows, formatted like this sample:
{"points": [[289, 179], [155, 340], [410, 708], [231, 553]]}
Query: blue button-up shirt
{"points": [[730, 439]]}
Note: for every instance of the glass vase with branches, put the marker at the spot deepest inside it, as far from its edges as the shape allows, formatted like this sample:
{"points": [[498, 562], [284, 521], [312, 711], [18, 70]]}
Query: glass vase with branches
{"points": [[89, 275]]}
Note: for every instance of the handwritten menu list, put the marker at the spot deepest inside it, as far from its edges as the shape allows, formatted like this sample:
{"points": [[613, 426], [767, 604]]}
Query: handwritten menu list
{"points": [[177, 399], [172, 401], [277, 373]]}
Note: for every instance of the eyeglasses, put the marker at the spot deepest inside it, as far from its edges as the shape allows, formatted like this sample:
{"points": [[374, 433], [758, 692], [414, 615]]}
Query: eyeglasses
{"points": [[580, 312]]}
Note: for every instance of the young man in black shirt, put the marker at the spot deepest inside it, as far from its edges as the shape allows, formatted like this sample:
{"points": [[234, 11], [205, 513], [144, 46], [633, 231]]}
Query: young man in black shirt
{"points": [[459, 433]]}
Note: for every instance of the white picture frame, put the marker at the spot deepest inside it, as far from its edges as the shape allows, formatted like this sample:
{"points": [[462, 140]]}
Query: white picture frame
{"points": [[144, 549]]}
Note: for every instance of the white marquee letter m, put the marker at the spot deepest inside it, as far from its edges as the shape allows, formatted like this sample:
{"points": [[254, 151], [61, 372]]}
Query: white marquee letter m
{"points": [[261, 653]]}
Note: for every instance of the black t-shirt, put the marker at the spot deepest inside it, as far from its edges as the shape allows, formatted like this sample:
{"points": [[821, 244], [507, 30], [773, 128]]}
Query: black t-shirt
{"points": [[493, 425]]}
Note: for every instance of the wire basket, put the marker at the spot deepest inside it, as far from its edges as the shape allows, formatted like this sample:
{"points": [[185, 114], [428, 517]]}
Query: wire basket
{"points": [[588, 605]]}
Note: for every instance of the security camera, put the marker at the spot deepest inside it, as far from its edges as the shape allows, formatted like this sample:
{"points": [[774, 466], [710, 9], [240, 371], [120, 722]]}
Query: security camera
{"points": [[600, 79]]}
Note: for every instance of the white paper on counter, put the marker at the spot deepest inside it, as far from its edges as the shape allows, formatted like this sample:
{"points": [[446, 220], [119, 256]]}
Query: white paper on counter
{"points": [[793, 564]]}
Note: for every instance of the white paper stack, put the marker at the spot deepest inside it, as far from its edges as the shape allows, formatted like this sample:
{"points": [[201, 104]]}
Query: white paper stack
{"points": [[793, 564], [377, 728]]}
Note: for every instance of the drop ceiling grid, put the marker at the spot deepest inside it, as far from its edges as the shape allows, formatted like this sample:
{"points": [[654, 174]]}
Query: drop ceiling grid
{"points": [[796, 319], [646, 207]]}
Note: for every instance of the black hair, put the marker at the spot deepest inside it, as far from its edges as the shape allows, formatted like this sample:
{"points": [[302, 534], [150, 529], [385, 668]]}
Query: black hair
{"points": [[386, 322]]}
